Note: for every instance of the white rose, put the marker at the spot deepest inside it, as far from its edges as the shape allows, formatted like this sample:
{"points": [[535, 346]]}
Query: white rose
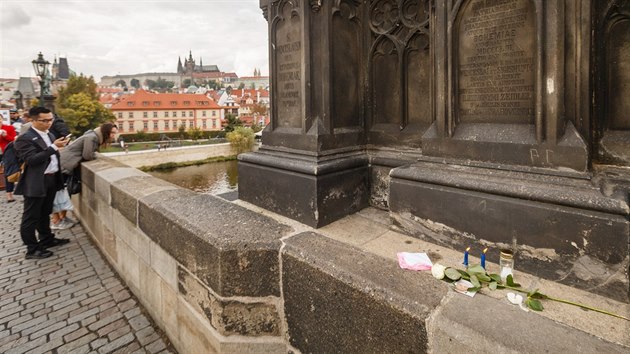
{"points": [[438, 271]]}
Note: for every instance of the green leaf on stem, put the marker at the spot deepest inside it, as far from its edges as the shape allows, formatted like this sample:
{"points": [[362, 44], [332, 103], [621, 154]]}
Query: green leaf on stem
{"points": [[510, 281], [495, 277], [534, 304], [452, 274], [474, 289], [475, 282], [493, 285], [484, 278], [464, 274], [476, 269]]}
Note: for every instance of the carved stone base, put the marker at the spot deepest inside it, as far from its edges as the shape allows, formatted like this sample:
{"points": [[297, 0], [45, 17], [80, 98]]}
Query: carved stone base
{"points": [[314, 191], [565, 229], [510, 144]]}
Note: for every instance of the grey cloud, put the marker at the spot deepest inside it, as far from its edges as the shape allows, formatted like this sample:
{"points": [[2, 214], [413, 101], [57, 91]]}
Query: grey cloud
{"points": [[14, 17]]}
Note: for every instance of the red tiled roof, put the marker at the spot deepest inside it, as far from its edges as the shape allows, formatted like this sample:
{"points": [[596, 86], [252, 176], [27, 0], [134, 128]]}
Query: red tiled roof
{"points": [[109, 89], [143, 101]]}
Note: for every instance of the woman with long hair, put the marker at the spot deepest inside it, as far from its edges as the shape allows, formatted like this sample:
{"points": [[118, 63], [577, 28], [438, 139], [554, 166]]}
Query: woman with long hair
{"points": [[82, 149]]}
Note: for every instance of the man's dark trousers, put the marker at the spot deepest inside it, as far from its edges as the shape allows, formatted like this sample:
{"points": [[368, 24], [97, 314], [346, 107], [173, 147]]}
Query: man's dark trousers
{"points": [[36, 216]]}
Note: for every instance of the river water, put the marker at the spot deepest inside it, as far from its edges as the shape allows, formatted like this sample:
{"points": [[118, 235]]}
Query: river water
{"points": [[211, 178]]}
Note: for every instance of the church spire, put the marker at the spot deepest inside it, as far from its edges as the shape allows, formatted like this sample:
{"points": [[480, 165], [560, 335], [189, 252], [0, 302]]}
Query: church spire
{"points": [[190, 56], [180, 68]]}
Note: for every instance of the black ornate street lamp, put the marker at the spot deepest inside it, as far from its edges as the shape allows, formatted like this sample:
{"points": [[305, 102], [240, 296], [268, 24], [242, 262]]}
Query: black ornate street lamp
{"points": [[41, 69]]}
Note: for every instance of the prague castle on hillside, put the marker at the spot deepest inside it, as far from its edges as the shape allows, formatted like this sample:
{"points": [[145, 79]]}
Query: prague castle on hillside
{"points": [[188, 70]]}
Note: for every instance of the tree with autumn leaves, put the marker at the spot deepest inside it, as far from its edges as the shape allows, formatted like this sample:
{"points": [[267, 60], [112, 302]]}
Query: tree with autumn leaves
{"points": [[78, 105]]}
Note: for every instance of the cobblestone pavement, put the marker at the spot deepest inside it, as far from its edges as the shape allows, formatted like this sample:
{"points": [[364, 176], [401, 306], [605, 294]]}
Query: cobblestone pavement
{"points": [[72, 302]]}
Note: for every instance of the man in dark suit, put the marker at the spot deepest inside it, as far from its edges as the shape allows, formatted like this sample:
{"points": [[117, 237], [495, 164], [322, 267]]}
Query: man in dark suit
{"points": [[39, 183]]}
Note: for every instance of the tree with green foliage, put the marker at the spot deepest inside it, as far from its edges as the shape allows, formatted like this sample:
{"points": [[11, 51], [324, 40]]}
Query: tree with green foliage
{"points": [[134, 83], [195, 133], [231, 122], [241, 139], [252, 86], [186, 83], [182, 130], [79, 106], [81, 113], [77, 84], [256, 128], [241, 86]]}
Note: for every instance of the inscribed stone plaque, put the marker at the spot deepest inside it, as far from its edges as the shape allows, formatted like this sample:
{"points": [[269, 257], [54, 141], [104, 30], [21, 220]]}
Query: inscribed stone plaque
{"points": [[496, 53], [619, 75], [287, 49]]}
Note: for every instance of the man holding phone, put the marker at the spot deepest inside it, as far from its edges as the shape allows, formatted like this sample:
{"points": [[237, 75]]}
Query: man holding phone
{"points": [[39, 183]]}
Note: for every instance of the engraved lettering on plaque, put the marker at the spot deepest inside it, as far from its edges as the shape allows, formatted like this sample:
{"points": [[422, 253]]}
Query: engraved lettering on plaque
{"points": [[496, 62], [288, 72]]}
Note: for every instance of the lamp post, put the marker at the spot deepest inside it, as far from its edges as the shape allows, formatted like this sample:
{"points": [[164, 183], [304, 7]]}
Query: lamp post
{"points": [[41, 70]]}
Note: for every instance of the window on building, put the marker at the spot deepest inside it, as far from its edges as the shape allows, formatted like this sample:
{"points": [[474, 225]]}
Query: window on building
{"points": [[166, 125], [145, 103], [191, 114], [173, 103], [130, 114], [130, 104], [204, 124], [214, 123], [203, 113], [165, 114], [145, 114], [156, 103], [174, 124], [131, 126], [119, 114], [154, 114], [186, 103], [174, 113], [184, 114], [155, 125], [191, 123], [214, 113], [146, 125]]}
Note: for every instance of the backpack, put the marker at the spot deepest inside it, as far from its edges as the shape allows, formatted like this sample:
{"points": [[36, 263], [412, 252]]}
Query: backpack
{"points": [[13, 165]]}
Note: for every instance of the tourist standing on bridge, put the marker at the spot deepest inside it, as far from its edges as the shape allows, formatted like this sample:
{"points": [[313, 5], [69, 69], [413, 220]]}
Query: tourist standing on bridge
{"points": [[39, 183], [85, 148], [7, 135]]}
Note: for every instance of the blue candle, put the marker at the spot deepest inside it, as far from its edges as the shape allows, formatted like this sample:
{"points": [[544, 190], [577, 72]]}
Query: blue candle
{"points": [[483, 258], [466, 257]]}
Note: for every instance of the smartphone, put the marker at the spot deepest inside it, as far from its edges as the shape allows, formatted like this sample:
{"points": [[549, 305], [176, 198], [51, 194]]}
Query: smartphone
{"points": [[68, 136]]}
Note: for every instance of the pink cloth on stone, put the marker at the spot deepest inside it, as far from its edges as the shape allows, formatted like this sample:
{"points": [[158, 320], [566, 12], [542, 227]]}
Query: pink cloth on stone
{"points": [[414, 261]]}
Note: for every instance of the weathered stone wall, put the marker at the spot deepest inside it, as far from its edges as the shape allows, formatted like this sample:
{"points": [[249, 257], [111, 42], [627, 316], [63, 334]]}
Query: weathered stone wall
{"points": [[218, 277], [206, 270]]}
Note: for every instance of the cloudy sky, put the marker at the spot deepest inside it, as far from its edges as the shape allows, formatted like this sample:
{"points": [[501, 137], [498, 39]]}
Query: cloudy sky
{"points": [[109, 37]]}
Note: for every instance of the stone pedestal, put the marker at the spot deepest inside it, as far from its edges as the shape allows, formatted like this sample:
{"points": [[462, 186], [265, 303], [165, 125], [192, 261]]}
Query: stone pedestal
{"points": [[312, 166]]}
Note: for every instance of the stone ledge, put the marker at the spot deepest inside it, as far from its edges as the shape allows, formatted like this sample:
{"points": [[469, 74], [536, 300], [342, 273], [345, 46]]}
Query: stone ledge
{"points": [[233, 250], [334, 292], [484, 325]]}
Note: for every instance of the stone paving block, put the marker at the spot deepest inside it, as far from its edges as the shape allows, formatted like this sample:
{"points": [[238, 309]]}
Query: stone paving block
{"points": [[113, 345], [28, 345], [63, 331], [119, 332], [48, 346], [49, 329]]}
